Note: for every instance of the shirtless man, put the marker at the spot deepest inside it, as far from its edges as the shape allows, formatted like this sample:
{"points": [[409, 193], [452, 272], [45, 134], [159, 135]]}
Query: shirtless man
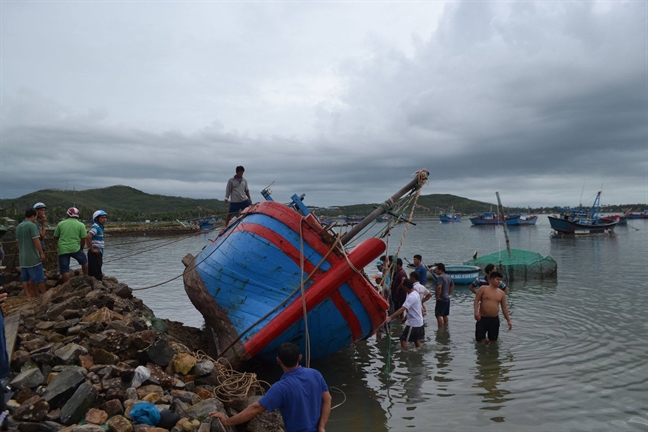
{"points": [[487, 313]]}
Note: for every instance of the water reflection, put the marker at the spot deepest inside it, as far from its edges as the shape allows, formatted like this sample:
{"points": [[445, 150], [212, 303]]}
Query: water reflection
{"points": [[443, 355], [493, 371]]}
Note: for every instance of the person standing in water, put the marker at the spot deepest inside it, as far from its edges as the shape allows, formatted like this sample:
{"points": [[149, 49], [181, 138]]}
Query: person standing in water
{"points": [[487, 306]]}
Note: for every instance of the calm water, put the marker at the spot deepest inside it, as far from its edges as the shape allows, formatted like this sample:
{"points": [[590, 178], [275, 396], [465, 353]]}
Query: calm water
{"points": [[576, 359]]}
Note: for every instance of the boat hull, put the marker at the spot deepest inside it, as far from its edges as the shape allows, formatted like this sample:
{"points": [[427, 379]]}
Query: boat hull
{"points": [[449, 218], [567, 226], [460, 274], [247, 286]]}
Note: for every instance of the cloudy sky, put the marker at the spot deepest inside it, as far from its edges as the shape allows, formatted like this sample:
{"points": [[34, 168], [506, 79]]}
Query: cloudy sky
{"points": [[545, 102]]}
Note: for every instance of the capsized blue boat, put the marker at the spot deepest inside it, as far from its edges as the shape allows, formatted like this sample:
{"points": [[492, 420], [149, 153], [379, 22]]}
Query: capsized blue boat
{"points": [[248, 283]]}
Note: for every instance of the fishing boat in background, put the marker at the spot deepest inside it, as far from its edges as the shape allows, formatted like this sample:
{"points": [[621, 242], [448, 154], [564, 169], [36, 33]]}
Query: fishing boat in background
{"points": [[582, 221], [353, 219], [619, 219], [277, 275], [450, 216], [642, 215], [460, 274], [485, 218], [516, 219], [512, 219]]}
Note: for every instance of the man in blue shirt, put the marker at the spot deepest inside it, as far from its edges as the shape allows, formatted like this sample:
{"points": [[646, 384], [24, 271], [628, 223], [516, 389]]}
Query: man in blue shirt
{"points": [[301, 395], [421, 269], [483, 281]]}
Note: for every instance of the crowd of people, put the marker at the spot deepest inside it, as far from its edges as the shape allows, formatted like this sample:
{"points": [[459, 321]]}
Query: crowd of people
{"points": [[407, 296], [72, 239]]}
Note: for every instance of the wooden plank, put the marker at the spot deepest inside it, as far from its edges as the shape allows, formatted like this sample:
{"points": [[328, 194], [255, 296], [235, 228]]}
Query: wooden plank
{"points": [[11, 331]]}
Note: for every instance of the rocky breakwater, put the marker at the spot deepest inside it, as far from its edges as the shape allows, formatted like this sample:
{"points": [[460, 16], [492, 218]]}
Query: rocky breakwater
{"points": [[91, 357]]}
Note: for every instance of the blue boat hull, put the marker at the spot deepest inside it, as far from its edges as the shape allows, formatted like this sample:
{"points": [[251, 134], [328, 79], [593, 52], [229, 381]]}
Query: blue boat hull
{"points": [[247, 286]]}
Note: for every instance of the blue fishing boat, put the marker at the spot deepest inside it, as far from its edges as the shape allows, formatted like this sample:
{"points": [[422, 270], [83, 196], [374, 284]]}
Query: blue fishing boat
{"points": [[460, 274], [277, 275], [485, 218], [517, 219], [450, 217], [582, 221]]}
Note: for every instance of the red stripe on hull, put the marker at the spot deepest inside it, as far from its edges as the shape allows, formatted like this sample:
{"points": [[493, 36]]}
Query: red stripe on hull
{"points": [[323, 287], [348, 315], [373, 303]]}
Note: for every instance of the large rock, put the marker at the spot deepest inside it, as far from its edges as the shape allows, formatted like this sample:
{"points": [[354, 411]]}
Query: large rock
{"points": [[202, 368], [96, 416], [79, 404], [64, 385], [30, 378], [183, 363], [201, 410], [101, 356], [87, 428], [33, 409], [160, 352], [119, 424], [55, 310], [69, 354]]}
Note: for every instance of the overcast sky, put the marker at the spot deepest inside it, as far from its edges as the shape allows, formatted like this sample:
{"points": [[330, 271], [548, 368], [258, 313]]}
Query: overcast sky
{"points": [[545, 102]]}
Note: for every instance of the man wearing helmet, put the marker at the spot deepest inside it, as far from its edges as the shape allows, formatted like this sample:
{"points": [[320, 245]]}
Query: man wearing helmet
{"points": [[71, 234], [41, 222], [95, 240]]}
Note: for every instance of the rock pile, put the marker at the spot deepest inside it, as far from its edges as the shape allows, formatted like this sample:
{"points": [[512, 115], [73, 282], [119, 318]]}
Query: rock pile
{"points": [[88, 352]]}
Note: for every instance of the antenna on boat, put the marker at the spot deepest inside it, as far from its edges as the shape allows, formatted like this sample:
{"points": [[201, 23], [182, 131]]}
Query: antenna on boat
{"points": [[266, 192], [580, 202]]}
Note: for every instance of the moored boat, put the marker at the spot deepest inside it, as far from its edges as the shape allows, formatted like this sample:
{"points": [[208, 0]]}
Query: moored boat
{"points": [[642, 215], [277, 275], [450, 217], [582, 221], [486, 218], [515, 219]]}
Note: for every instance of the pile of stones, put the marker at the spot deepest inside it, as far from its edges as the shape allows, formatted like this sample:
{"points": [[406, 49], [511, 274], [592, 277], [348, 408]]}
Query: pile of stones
{"points": [[87, 352]]}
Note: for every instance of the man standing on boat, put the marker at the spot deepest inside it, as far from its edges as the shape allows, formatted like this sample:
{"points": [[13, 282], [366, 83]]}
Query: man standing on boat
{"points": [[420, 268], [237, 194], [301, 395]]}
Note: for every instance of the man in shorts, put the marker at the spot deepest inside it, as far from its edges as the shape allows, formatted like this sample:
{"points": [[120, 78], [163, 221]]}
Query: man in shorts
{"points": [[487, 305], [71, 234], [413, 331], [444, 287], [30, 256], [237, 194]]}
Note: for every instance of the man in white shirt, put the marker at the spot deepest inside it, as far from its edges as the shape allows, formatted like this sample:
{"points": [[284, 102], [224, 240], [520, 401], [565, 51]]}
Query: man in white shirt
{"points": [[420, 288], [413, 331]]}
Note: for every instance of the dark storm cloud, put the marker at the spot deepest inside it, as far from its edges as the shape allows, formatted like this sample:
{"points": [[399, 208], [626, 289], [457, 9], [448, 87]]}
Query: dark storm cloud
{"points": [[531, 99]]}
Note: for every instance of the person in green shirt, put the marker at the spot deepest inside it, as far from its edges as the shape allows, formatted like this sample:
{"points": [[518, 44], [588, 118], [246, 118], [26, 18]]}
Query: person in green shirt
{"points": [[30, 256], [71, 234]]}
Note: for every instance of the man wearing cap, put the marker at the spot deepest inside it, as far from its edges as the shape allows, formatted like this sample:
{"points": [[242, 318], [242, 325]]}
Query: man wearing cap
{"points": [[71, 234], [237, 194], [30, 256], [95, 240], [41, 221]]}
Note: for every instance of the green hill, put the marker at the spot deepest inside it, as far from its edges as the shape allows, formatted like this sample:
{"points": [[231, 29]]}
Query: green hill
{"points": [[120, 202], [129, 204]]}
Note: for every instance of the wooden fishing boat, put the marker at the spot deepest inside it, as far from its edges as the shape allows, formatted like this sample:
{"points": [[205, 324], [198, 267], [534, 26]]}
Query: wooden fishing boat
{"points": [[582, 221], [450, 217], [642, 215], [486, 218], [517, 219], [460, 274], [277, 275]]}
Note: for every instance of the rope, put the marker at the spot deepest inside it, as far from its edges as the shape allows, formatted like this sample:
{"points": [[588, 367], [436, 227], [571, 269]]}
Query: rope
{"points": [[301, 287]]}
